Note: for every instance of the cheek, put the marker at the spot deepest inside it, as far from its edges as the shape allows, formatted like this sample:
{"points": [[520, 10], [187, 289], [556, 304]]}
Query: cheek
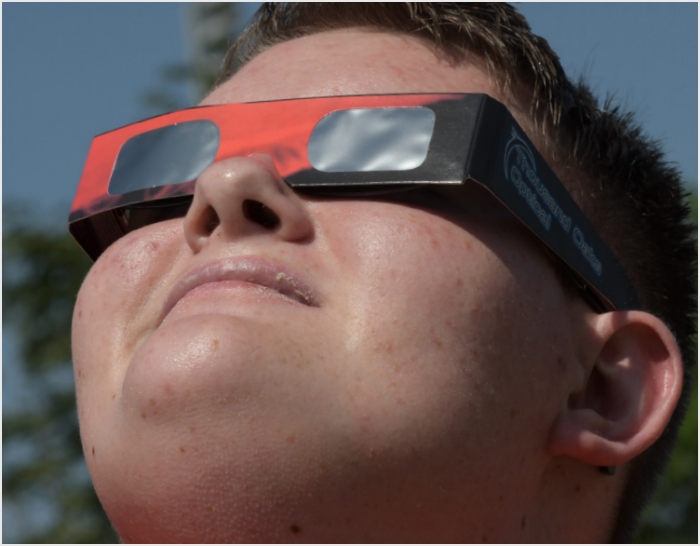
{"points": [[443, 321], [113, 309], [418, 273], [425, 303]]}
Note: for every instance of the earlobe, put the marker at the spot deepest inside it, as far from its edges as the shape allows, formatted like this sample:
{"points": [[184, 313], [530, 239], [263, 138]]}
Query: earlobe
{"points": [[633, 379]]}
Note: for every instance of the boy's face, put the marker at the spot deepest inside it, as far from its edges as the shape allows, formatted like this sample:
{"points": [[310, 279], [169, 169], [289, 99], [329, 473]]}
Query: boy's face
{"points": [[410, 401]]}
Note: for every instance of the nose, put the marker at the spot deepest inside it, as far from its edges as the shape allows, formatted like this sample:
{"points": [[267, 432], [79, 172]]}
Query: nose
{"points": [[244, 196]]}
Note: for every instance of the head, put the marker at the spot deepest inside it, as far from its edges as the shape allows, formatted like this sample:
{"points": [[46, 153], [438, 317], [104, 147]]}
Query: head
{"points": [[428, 373]]}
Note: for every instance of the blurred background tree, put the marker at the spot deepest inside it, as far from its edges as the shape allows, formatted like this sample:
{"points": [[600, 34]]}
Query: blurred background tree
{"points": [[46, 487], [672, 514], [212, 28]]}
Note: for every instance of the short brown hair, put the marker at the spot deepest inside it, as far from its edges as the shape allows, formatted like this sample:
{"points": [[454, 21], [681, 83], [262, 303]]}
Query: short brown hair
{"points": [[617, 175]]}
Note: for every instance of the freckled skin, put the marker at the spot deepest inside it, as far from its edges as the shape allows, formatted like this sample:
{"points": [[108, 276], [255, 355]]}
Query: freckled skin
{"points": [[377, 416]]}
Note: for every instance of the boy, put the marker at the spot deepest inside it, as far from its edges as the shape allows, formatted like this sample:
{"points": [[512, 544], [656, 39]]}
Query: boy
{"points": [[270, 363]]}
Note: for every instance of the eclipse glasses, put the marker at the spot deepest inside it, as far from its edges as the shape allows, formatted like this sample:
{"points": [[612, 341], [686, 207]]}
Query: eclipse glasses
{"points": [[344, 147]]}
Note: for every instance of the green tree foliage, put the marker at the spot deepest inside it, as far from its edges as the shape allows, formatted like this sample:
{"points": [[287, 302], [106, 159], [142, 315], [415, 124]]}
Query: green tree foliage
{"points": [[44, 475]]}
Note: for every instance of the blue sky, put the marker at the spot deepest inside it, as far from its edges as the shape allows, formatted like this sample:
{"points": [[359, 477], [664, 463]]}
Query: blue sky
{"points": [[72, 71]]}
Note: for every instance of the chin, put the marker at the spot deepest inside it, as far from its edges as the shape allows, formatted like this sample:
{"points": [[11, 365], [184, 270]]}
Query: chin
{"points": [[268, 477]]}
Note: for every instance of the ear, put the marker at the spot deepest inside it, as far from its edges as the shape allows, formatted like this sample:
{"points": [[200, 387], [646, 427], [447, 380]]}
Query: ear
{"points": [[633, 376]]}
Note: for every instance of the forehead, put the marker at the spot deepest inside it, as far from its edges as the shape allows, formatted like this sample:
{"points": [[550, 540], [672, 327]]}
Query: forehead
{"points": [[350, 62]]}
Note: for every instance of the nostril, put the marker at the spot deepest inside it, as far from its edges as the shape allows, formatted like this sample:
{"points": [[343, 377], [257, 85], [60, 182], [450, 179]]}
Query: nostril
{"points": [[260, 214], [210, 220]]}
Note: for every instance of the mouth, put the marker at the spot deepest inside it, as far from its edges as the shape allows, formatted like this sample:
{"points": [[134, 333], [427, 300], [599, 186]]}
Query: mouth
{"points": [[243, 269]]}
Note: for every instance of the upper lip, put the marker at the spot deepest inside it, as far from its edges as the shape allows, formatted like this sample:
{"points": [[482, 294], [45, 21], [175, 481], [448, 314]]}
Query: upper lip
{"points": [[248, 269]]}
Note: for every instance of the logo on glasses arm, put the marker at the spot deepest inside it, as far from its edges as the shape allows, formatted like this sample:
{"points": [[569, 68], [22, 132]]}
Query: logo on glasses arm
{"points": [[520, 166]]}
